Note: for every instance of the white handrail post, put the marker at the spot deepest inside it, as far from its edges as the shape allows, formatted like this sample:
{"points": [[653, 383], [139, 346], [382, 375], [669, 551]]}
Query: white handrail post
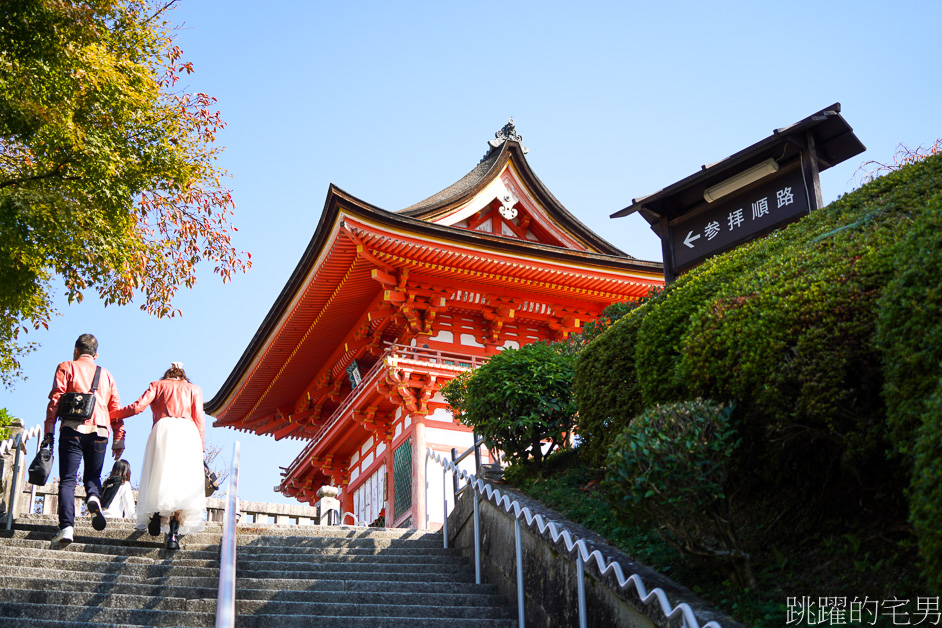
{"points": [[225, 598], [580, 578], [518, 541], [445, 507], [477, 536]]}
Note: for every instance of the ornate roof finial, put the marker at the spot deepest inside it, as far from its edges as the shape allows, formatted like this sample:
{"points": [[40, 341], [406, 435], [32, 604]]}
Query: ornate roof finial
{"points": [[508, 132]]}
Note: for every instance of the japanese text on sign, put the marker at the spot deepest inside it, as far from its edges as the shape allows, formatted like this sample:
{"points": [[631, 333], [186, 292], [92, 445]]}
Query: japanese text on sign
{"points": [[738, 219]]}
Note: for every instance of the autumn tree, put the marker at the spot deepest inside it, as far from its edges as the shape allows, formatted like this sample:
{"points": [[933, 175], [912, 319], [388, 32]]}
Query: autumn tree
{"points": [[108, 174]]}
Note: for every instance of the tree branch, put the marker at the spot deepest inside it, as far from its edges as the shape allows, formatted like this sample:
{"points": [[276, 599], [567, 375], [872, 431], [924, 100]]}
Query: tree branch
{"points": [[55, 172], [161, 10]]}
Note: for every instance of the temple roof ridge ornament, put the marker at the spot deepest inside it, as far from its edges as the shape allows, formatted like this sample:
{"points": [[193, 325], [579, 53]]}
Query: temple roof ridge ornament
{"points": [[507, 132]]}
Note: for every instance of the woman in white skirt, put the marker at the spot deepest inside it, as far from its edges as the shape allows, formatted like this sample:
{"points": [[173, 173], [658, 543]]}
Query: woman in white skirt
{"points": [[172, 497]]}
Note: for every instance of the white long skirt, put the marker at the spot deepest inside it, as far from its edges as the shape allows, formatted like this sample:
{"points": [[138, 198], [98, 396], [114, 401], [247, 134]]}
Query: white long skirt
{"points": [[172, 480]]}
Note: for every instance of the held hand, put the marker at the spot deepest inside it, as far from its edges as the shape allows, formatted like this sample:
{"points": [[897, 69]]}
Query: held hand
{"points": [[48, 439]]}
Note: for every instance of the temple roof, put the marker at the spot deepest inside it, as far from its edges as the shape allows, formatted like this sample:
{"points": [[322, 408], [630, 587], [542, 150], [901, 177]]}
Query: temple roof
{"points": [[542, 249], [507, 146]]}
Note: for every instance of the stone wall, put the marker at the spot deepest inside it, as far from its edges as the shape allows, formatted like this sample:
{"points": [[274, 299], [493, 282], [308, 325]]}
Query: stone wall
{"points": [[549, 570], [7, 460]]}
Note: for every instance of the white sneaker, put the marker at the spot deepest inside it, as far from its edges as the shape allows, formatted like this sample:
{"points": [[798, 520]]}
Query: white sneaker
{"points": [[63, 537]]}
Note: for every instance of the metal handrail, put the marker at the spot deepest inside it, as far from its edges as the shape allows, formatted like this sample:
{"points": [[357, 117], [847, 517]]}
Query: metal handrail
{"points": [[14, 443], [225, 598], [557, 532]]}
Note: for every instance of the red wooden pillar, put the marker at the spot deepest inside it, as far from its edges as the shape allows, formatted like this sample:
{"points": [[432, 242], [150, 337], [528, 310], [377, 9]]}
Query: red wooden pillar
{"points": [[346, 501]]}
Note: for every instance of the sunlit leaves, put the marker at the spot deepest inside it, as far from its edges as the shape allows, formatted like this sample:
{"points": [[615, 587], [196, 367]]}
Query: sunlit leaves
{"points": [[108, 180]]}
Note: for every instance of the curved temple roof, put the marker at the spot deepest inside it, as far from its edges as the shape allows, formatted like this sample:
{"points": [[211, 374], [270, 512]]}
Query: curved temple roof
{"points": [[498, 225]]}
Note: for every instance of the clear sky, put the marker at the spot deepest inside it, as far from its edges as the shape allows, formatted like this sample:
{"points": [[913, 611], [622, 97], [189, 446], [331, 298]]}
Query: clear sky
{"points": [[395, 101]]}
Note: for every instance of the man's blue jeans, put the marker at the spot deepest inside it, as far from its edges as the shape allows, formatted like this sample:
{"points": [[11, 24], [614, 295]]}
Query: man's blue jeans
{"points": [[75, 447]]}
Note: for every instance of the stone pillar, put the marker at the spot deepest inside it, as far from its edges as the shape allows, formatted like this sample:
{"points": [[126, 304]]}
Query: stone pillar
{"points": [[419, 481], [8, 459], [328, 503]]}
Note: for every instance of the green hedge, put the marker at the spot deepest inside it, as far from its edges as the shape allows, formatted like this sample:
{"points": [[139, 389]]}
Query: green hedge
{"points": [[826, 334], [606, 387]]}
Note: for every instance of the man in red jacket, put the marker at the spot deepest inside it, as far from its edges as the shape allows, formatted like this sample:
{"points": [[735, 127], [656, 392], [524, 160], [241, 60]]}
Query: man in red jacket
{"points": [[82, 440]]}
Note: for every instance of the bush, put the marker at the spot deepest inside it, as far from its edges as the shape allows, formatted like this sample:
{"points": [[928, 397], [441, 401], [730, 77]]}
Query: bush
{"points": [[520, 401], [828, 334], [909, 327], [5, 419], [670, 465], [606, 386], [926, 490]]}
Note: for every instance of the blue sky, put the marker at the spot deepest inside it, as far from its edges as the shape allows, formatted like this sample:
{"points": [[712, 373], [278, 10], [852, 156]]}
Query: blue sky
{"points": [[395, 101]]}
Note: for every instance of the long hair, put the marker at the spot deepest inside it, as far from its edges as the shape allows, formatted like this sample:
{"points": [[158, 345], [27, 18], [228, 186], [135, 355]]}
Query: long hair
{"points": [[175, 372], [121, 469]]}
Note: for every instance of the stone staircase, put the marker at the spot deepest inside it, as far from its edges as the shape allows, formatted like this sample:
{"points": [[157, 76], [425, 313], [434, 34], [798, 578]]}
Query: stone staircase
{"points": [[287, 577]]}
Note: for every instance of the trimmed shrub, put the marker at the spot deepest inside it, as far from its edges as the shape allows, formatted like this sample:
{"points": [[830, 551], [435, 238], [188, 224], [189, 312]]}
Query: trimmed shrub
{"points": [[606, 386], [520, 401], [670, 466], [828, 334], [926, 490], [909, 327]]}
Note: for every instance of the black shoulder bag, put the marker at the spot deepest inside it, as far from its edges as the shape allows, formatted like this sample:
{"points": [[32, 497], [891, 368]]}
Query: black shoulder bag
{"points": [[41, 466], [109, 489], [79, 406]]}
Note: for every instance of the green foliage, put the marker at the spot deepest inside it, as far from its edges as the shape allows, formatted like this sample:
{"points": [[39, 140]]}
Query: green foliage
{"points": [[519, 399], [926, 490], [613, 313], [827, 334], [909, 327], [850, 557], [107, 173], [909, 334], [605, 385], [5, 419], [670, 466]]}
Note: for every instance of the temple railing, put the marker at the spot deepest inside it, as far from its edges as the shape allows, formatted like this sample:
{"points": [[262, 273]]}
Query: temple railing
{"points": [[461, 361], [396, 354]]}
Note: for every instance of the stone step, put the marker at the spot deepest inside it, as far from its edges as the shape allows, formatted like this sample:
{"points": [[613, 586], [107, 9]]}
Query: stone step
{"points": [[398, 553], [271, 531], [402, 576], [27, 614], [61, 562], [82, 554], [69, 576], [374, 560], [287, 576], [366, 586], [418, 594], [339, 606], [14, 622], [94, 599], [10, 545], [43, 582], [208, 540], [267, 621]]}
